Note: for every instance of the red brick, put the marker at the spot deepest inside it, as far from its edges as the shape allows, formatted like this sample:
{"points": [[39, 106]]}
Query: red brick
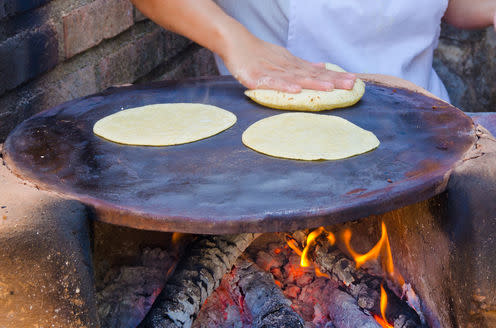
{"points": [[79, 83], [13, 7], [133, 60], [198, 63], [46, 92], [88, 25]]}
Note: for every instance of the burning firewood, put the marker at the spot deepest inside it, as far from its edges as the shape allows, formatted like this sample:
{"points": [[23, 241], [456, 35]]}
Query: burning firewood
{"points": [[264, 299], [363, 287], [196, 277], [257, 300]]}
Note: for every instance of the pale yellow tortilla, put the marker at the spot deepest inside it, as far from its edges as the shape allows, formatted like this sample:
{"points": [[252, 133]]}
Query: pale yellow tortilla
{"points": [[310, 100], [164, 124], [307, 136]]}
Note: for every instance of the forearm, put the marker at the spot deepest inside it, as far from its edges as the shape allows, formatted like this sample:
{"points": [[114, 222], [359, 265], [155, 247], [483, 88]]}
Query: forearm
{"points": [[470, 14], [199, 20], [252, 61]]}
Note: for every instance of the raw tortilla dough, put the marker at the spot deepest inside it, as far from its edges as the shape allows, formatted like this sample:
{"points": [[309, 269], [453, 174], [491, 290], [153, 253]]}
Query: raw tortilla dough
{"points": [[310, 100], [308, 136], [164, 124]]}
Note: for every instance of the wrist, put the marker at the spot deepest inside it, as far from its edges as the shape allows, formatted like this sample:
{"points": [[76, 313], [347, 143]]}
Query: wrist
{"points": [[232, 36]]}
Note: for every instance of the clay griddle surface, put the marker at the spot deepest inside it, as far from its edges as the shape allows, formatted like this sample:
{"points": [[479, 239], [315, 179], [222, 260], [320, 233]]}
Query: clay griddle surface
{"points": [[217, 185]]}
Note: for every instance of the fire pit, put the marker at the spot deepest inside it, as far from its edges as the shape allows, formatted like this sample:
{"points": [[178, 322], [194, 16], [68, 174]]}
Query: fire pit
{"points": [[217, 186]]}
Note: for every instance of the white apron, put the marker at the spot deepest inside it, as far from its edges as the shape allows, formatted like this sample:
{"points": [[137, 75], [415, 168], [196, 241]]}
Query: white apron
{"points": [[395, 37]]}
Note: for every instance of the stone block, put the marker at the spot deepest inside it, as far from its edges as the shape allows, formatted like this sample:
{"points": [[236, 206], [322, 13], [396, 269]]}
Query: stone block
{"points": [[46, 277], [463, 60], [89, 24], [27, 55]]}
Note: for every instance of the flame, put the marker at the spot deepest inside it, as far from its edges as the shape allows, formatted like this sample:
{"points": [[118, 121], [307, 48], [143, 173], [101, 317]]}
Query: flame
{"points": [[319, 273], [331, 238], [382, 320], [382, 248], [176, 236], [305, 262], [294, 246]]}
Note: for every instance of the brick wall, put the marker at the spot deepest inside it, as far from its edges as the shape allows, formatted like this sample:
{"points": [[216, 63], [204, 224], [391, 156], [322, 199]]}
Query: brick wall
{"points": [[52, 51]]}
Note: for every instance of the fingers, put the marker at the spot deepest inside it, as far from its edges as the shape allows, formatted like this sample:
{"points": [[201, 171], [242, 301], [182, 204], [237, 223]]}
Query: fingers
{"points": [[262, 65], [293, 83], [327, 81], [273, 83], [315, 76]]}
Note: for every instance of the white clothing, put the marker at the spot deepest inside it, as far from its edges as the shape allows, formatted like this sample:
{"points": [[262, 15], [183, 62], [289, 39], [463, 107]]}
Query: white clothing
{"points": [[394, 37], [266, 19]]}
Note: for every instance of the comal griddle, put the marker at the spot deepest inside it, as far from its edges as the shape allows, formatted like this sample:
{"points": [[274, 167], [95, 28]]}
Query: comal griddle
{"points": [[217, 185]]}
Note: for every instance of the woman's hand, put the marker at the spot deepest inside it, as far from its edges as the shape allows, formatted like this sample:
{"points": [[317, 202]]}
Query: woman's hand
{"points": [[261, 65], [255, 63]]}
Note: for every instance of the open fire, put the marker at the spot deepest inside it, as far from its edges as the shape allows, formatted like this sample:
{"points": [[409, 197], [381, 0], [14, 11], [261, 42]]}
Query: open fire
{"points": [[323, 296], [381, 250]]}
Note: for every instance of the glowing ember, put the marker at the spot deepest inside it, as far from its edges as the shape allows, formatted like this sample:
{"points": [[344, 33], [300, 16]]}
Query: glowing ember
{"points": [[380, 250], [319, 273]]}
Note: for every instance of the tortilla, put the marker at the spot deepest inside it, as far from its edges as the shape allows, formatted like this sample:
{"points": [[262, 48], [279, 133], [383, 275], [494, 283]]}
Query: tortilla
{"points": [[307, 136], [310, 100], [164, 124]]}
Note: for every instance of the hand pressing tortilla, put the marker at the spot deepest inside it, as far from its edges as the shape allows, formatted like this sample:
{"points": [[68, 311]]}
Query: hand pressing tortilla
{"points": [[307, 136], [310, 100], [164, 124]]}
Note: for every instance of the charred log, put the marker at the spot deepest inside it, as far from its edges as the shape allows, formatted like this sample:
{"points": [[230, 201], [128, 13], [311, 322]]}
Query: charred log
{"points": [[132, 289], [195, 278], [345, 313], [263, 298], [364, 287]]}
